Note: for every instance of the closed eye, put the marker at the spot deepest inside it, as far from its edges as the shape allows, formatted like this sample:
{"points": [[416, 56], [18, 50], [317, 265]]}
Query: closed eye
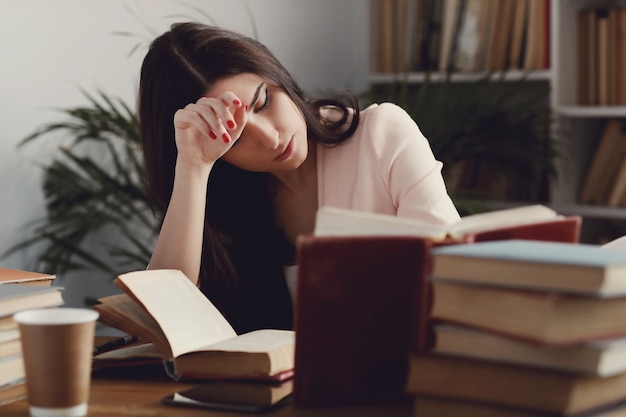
{"points": [[266, 103]]}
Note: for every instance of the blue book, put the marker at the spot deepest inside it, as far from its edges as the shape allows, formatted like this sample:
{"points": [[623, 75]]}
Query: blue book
{"points": [[534, 265]]}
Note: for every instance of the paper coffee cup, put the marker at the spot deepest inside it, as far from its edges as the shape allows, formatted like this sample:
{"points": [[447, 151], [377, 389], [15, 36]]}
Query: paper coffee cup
{"points": [[57, 346]]}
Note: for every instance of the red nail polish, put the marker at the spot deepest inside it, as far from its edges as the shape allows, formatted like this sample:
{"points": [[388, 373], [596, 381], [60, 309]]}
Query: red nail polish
{"points": [[236, 102], [213, 135], [231, 124], [226, 138]]}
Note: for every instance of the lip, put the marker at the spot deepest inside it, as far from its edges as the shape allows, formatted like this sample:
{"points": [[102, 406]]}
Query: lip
{"points": [[287, 152]]}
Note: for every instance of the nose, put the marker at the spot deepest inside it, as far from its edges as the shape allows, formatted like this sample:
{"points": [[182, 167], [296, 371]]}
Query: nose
{"points": [[263, 133]]}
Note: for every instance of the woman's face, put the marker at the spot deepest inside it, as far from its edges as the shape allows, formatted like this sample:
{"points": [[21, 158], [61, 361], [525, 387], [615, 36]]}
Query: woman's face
{"points": [[275, 135]]}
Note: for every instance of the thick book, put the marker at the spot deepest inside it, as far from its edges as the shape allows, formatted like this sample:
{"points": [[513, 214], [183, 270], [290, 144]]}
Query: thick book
{"points": [[18, 276], [541, 317], [597, 357], [526, 222], [560, 393], [440, 407], [540, 265], [253, 394], [14, 298], [10, 343], [163, 307], [360, 306], [12, 369], [13, 391]]}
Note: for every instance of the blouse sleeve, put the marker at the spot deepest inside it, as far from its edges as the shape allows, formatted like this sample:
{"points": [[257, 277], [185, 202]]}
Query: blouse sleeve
{"points": [[406, 161]]}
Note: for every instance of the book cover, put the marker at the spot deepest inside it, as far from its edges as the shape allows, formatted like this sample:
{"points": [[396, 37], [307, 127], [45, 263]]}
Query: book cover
{"points": [[359, 310], [17, 276], [540, 265]]}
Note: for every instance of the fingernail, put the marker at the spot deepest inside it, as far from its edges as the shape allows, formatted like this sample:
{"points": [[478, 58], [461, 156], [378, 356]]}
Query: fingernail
{"points": [[213, 135], [225, 137], [231, 124], [236, 102]]}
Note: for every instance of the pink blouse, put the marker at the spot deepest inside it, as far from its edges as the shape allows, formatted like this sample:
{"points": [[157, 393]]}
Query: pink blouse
{"points": [[386, 167]]}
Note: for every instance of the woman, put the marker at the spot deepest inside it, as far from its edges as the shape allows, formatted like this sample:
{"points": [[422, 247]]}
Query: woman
{"points": [[238, 161]]}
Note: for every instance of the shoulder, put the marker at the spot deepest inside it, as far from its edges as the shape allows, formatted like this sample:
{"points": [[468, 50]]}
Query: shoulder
{"points": [[387, 122], [387, 119]]}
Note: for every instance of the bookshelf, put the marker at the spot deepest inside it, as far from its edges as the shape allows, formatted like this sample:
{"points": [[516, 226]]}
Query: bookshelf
{"points": [[577, 129]]}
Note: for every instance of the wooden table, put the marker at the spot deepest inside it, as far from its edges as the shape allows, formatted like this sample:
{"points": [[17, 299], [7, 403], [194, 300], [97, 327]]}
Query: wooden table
{"points": [[113, 397]]}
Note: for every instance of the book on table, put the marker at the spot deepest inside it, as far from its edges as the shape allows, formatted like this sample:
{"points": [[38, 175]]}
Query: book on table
{"points": [[542, 317], [535, 222], [555, 266], [183, 327], [521, 387], [445, 407], [368, 271], [14, 298], [17, 276], [596, 357]]}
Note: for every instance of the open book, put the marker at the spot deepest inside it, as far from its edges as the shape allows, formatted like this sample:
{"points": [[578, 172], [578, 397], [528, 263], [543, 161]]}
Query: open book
{"points": [[163, 307], [526, 222]]}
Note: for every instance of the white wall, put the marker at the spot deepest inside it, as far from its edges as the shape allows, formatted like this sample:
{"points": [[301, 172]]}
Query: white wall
{"points": [[50, 48]]}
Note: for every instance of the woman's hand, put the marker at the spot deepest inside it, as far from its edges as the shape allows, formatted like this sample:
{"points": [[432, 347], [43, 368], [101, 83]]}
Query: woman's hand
{"points": [[207, 129]]}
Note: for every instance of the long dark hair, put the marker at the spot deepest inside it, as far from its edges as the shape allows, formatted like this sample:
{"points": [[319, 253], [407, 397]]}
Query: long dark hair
{"points": [[244, 250]]}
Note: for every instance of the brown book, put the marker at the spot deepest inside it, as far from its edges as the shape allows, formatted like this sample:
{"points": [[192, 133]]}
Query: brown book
{"points": [[440, 407], [583, 60], [384, 34], [16, 276], [206, 346], [518, 32], [617, 189], [539, 317], [602, 22], [621, 61], [364, 294], [614, 74], [12, 392], [597, 357], [595, 181], [592, 56], [561, 393]]}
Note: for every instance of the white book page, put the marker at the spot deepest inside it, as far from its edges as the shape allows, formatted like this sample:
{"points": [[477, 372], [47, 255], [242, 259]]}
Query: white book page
{"points": [[264, 340], [188, 319], [501, 218], [333, 221]]}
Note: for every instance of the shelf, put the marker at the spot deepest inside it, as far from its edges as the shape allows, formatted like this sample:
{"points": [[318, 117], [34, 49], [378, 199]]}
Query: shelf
{"points": [[419, 77], [591, 111]]}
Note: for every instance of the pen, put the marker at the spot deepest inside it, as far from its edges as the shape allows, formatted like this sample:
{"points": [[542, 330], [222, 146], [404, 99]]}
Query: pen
{"points": [[112, 344]]}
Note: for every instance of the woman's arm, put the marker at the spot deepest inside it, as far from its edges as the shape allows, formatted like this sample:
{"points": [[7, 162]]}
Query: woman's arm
{"points": [[179, 245], [201, 139]]}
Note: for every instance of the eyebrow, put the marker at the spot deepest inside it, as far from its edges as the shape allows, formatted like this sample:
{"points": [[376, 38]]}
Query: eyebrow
{"points": [[256, 94]]}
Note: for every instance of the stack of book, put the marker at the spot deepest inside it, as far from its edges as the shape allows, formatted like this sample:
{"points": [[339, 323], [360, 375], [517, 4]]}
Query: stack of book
{"points": [[19, 290], [524, 328]]}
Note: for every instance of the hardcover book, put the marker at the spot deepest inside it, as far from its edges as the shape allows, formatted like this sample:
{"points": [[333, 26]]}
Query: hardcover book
{"points": [[164, 308]]}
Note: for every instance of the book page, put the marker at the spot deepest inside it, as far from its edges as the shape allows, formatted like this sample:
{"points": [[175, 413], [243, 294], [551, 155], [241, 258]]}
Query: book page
{"points": [[264, 340], [501, 218], [333, 221], [618, 243], [188, 319]]}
